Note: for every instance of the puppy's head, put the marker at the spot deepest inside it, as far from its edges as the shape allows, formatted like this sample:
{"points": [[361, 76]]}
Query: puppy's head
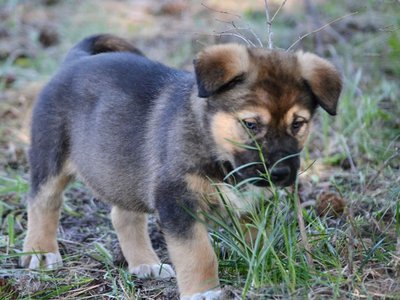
{"points": [[261, 103]]}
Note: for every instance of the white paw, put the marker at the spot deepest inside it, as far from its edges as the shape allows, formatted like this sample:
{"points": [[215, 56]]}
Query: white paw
{"points": [[49, 261], [209, 295], [154, 271]]}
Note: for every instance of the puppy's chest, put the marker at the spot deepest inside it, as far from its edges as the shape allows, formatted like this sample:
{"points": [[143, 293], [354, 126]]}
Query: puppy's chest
{"points": [[222, 196], [242, 201]]}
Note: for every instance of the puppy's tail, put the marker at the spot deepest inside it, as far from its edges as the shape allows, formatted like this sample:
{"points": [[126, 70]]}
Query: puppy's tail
{"points": [[100, 44]]}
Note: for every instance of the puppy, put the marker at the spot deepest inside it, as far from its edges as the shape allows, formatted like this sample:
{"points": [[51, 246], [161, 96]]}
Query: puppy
{"points": [[147, 138]]}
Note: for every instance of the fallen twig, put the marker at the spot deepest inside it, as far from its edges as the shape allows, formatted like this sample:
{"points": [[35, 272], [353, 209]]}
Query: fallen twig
{"points": [[81, 291]]}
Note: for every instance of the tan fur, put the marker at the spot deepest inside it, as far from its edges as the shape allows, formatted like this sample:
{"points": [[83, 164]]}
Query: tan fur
{"points": [[199, 184], [43, 216], [227, 133], [245, 200], [241, 201], [257, 112], [204, 188], [132, 232], [42, 231], [294, 113], [195, 261]]}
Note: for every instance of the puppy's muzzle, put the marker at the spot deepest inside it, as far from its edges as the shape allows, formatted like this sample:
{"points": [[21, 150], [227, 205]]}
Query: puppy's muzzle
{"points": [[280, 175]]}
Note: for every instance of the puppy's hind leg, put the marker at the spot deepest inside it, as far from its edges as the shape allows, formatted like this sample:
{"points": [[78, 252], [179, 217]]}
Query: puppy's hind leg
{"points": [[132, 232], [43, 217]]}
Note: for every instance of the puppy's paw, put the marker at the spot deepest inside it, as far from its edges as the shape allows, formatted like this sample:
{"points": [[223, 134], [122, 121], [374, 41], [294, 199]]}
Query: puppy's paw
{"points": [[154, 271], [49, 261], [209, 295]]}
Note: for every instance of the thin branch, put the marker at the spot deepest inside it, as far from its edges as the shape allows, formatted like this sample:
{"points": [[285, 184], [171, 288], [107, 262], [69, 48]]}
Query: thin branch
{"points": [[350, 234], [384, 165], [256, 37], [319, 29], [221, 11], [239, 29], [237, 34], [312, 11], [227, 33], [277, 11], [303, 233], [269, 25], [251, 31], [348, 154]]}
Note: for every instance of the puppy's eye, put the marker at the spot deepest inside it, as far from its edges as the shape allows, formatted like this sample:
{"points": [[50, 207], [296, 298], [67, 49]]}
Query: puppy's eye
{"points": [[250, 124], [296, 125]]}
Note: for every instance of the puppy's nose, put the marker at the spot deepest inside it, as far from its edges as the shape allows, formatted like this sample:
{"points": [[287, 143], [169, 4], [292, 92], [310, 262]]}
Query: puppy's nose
{"points": [[279, 174]]}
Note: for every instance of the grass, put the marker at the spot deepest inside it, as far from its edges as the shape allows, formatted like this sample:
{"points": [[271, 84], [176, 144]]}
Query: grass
{"points": [[273, 257], [276, 258], [355, 155], [366, 132]]}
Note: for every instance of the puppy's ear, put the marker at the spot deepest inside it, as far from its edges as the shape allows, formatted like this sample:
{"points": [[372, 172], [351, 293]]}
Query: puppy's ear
{"points": [[220, 67], [323, 79]]}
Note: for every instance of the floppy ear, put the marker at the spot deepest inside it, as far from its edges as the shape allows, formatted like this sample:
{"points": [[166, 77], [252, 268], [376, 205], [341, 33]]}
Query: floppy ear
{"points": [[323, 79], [220, 67]]}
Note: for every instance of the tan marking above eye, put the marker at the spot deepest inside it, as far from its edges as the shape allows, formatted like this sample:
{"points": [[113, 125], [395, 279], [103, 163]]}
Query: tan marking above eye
{"points": [[257, 113], [252, 120], [227, 132], [301, 114], [294, 112]]}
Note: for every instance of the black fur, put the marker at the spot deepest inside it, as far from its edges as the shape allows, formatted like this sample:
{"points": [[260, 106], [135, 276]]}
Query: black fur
{"points": [[96, 112]]}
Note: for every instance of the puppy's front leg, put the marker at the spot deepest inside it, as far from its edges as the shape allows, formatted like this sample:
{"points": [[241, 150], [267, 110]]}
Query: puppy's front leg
{"points": [[187, 240], [195, 263]]}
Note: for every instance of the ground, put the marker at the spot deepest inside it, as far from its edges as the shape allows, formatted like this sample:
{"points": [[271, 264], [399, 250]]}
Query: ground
{"points": [[352, 160]]}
